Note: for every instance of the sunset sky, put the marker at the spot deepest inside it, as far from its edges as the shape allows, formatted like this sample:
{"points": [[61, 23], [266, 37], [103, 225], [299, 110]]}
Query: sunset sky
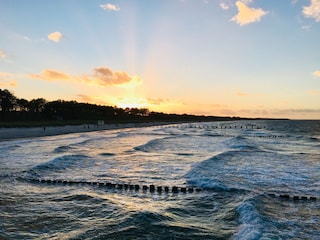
{"points": [[249, 58]]}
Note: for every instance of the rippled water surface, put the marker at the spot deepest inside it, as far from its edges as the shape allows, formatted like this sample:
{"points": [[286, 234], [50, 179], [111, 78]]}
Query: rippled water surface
{"points": [[242, 168]]}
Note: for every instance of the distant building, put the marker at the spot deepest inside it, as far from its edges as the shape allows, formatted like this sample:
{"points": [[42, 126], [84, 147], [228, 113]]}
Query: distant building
{"points": [[100, 122]]}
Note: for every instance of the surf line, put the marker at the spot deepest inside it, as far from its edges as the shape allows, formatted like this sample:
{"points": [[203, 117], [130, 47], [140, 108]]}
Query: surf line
{"points": [[158, 189]]}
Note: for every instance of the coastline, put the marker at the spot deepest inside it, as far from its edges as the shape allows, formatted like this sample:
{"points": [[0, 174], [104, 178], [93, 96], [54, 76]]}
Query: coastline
{"points": [[33, 132]]}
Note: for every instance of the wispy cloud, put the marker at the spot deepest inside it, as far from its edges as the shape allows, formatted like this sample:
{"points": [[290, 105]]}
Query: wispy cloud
{"points": [[286, 113], [55, 36], [305, 27], [313, 92], [247, 2], [50, 75], [316, 73], [110, 7], [3, 55], [242, 94], [7, 80], [313, 10], [85, 98], [102, 76], [91, 99], [160, 101], [247, 15], [224, 6]]}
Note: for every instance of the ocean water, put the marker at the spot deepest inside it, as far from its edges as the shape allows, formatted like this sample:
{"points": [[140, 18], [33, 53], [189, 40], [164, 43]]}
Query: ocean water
{"points": [[258, 180]]}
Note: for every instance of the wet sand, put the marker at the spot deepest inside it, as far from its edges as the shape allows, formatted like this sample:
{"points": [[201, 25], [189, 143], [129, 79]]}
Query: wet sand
{"points": [[14, 133]]}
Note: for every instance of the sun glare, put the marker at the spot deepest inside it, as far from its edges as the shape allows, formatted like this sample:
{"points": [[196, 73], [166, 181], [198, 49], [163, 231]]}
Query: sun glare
{"points": [[131, 102]]}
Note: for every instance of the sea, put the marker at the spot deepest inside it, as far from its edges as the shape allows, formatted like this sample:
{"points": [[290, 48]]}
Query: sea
{"points": [[214, 180]]}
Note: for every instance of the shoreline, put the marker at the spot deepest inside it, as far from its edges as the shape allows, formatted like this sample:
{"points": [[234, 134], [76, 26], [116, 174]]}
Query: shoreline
{"points": [[7, 134]]}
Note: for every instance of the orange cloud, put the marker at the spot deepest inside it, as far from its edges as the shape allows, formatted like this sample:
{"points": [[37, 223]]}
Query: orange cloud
{"points": [[247, 15], [313, 10], [110, 7], [317, 73], [2, 54], [105, 76], [242, 94], [158, 101], [50, 75], [102, 76], [7, 80], [55, 36], [85, 98], [313, 92]]}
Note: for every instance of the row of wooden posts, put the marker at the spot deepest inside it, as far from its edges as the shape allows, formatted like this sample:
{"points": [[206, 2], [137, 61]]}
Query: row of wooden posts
{"points": [[121, 186], [158, 189], [216, 127]]}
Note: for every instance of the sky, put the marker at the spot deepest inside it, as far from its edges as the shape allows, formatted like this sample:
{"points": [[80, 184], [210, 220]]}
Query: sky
{"points": [[247, 58]]}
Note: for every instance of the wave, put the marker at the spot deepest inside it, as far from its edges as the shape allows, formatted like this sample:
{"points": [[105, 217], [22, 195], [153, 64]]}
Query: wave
{"points": [[62, 149], [6, 148], [255, 171], [241, 143], [251, 222], [132, 225], [314, 139], [79, 197], [62, 163], [154, 145]]}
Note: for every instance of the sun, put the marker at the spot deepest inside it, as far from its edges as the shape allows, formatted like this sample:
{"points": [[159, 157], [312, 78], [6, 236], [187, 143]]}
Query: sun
{"points": [[131, 102]]}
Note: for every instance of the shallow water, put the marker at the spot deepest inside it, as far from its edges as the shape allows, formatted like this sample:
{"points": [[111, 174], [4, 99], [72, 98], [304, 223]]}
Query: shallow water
{"points": [[238, 165]]}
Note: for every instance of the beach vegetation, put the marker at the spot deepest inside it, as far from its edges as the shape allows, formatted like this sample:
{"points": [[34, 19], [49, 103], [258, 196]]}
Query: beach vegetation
{"points": [[40, 112]]}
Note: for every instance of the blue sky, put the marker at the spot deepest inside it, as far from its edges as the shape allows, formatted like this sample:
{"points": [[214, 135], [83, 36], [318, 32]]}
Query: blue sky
{"points": [[250, 58]]}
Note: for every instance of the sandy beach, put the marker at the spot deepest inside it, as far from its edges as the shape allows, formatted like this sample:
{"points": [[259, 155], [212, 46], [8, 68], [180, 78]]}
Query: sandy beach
{"points": [[14, 133]]}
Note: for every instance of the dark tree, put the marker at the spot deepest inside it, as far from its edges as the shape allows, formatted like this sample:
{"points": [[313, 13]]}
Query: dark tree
{"points": [[23, 104], [7, 100], [37, 105]]}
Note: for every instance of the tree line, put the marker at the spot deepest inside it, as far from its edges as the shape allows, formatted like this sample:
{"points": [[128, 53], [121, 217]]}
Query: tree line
{"points": [[17, 109]]}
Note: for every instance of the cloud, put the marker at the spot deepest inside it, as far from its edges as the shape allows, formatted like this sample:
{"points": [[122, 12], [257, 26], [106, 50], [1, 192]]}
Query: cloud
{"points": [[316, 73], [7, 80], [26, 38], [246, 1], [105, 76], [159, 101], [8, 83], [247, 15], [313, 92], [305, 27], [242, 94], [84, 98], [110, 7], [313, 10], [55, 36], [2, 54], [50, 75], [300, 111], [102, 76], [90, 99], [296, 113], [224, 6]]}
